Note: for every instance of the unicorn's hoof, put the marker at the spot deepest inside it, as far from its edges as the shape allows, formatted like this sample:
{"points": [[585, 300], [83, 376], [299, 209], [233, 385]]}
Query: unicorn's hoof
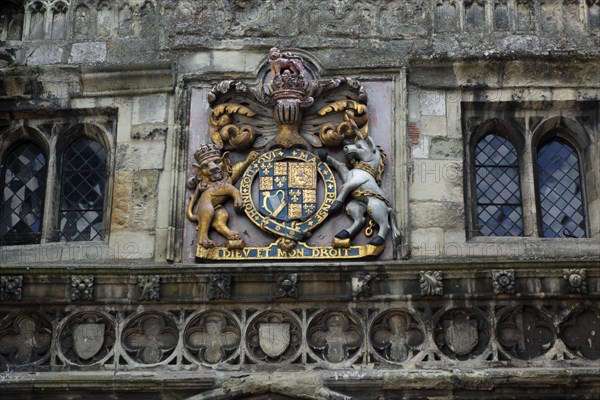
{"points": [[343, 234], [378, 241], [336, 207]]}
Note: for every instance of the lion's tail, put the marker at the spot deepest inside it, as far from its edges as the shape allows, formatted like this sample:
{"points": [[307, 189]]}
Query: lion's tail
{"points": [[190, 208]]}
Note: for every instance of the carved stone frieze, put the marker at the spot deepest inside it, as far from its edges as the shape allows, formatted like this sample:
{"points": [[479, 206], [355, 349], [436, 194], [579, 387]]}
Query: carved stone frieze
{"points": [[287, 286], [576, 280], [150, 338], [149, 287], [503, 281], [11, 287], [219, 286], [25, 339], [431, 283], [87, 338], [82, 287], [212, 337], [396, 335], [274, 337], [525, 332], [335, 336], [462, 333]]}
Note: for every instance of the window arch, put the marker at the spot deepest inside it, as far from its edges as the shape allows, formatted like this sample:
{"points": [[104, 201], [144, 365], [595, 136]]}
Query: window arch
{"points": [[83, 188], [560, 189], [23, 179], [497, 186]]}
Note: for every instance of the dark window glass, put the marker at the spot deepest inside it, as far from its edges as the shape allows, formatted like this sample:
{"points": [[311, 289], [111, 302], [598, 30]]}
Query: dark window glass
{"points": [[559, 188], [23, 190], [499, 210], [82, 195]]}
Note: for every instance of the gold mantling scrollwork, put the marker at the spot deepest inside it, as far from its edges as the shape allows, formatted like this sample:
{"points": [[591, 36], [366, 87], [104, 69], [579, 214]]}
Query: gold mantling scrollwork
{"points": [[224, 132]]}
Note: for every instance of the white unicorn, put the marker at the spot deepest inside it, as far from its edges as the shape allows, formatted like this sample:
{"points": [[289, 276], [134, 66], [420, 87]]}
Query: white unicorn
{"points": [[362, 184]]}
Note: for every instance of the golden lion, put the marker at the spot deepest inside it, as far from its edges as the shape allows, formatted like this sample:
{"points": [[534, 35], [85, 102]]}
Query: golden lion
{"points": [[213, 186]]}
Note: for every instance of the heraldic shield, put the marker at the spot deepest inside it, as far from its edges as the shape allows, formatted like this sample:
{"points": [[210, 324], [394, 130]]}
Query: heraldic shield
{"points": [[288, 156], [88, 340], [274, 338]]}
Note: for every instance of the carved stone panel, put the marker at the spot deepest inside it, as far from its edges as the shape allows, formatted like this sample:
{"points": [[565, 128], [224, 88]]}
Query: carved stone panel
{"points": [[212, 337], [274, 337], [462, 333], [87, 338], [25, 339], [11, 287], [150, 338], [335, 336], [580, 332], [525, 332], [396, 335]]}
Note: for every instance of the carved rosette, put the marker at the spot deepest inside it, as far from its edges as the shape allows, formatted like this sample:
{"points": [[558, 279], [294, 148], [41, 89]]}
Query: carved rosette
{"points": [[525, 332], [462, 333], [212, 337], [11, 287], [396, 335], [150, 338], [274, 337], [576, 280], [503, 281], [82, 287], [335, 336], [25, 340], [287, 286], [87, 338], [581, 332]]}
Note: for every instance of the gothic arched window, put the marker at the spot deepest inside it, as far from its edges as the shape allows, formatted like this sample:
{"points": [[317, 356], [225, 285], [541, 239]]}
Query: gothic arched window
{"points": [[560, 190], [23, 186], [499, 208], [83, 185]]}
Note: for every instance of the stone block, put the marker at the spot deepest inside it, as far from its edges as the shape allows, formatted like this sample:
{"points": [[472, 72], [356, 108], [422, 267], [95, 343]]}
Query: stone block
{"points": [[422, 149], [150, 109], [437, 214], [149, 131], [194, 62], [426, 243], [434, 126], [141, 155], [88, 53], [453, 114], [132, 245], [46, 55], [432, 102], [436, 180], [446, 148], [121, 200], [236, 60]]}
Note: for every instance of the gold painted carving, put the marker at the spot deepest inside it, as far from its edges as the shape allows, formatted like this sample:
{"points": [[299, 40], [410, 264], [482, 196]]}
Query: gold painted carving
{"points": [[224, 132]]}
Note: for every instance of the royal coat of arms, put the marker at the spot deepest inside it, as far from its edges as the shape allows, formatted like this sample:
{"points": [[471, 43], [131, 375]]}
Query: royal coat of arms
{"points": [[303, 155]]}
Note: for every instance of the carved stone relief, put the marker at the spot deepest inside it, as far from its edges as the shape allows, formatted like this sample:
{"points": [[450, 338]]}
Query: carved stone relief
{"points": [[287, 286], [25, 339], [503, 281], [580, 332], [396, 335], [150, 338], [525, 332], [431, 283], [304, 154], [361, 285], [462, 333], [149, 287], [212, 337], [335, 336], [219, 286], [87, 338], [11, 287], [576, 280], [274, 337], [82, 287]]}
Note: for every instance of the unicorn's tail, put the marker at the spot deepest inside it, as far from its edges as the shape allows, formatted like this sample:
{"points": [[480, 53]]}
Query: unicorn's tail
{"points": [[396, 233]]}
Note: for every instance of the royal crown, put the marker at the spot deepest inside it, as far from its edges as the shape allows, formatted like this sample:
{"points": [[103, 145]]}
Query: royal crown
{"points": [[205, 152]]}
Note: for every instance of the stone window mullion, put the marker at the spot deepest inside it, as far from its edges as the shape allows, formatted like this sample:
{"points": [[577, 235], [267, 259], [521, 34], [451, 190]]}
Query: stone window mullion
{"points": [[530, 219]]}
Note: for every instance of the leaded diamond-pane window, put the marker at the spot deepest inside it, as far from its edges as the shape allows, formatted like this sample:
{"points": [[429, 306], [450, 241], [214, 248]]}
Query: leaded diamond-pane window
{"points": [[82, 195], [499, 209], [23, 191], [560, 191]]}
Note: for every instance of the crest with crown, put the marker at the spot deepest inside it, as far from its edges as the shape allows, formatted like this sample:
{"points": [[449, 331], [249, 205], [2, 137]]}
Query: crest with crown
{"points": [[206, 152]]}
